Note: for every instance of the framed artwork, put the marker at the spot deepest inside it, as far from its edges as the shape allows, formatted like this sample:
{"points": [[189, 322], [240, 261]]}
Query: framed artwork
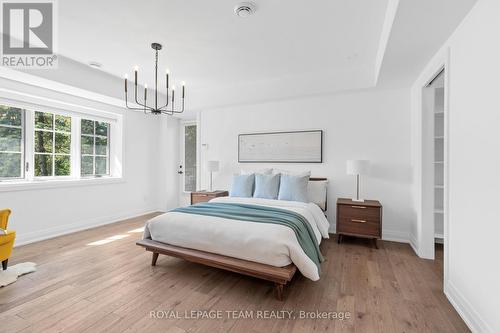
{"points": [[281, 147]]}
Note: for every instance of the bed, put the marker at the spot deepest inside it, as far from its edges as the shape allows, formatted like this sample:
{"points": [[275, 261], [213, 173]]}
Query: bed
{"points": [[269, 251]]}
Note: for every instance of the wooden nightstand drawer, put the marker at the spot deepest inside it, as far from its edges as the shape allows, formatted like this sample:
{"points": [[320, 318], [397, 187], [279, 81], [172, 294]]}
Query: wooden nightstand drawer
{"points": [[204, 196], [363, 212], [359, 226]]}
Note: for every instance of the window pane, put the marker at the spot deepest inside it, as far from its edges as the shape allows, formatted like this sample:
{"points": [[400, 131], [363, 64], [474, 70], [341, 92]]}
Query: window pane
{"points": [[100, 165], [43, 142], [101, 146], [10, 165], [87, 145], [63, 143], [10, 116], [101, 128], [44, 120], [62, 165], [190, 158], [63, 123], [87, 167], [43, 165], [10, 139], [87, 126]]}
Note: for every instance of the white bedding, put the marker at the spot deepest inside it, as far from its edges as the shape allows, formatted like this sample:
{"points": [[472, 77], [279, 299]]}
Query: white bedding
{"points": [[270, 244]]}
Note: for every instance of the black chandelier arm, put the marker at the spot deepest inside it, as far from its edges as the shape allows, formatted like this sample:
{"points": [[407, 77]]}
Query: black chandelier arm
{"points": [[178, 111], [172, 111], [142, 108], [145, 108]]}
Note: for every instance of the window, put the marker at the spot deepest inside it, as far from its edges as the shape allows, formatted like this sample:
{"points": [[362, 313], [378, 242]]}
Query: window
{"points": [[190, 158], [41, 145], [94, 148], [11, 142], [52, 145]]}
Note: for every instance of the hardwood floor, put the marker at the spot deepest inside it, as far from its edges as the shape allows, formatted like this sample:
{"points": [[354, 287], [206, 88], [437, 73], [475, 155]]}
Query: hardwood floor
{"points": [[88, 282]]}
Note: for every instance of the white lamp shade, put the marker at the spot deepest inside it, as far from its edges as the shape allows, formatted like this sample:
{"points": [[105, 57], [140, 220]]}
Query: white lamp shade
{"points": [[357, 167], [212, 166]]}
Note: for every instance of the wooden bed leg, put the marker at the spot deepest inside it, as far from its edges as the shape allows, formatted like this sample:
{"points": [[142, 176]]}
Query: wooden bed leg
{"points": [[153, 260], [279, 287]]}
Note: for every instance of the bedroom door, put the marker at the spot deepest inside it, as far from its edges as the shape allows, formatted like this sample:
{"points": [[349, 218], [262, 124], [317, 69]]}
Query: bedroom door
{"points": [[188, 165]]}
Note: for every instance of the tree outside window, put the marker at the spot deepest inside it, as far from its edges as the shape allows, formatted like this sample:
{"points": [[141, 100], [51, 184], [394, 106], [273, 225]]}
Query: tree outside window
{"points": [[52, 145]]}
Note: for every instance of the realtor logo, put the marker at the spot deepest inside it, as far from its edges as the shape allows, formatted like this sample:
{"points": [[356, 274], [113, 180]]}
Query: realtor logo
{"points": [[28, 32]]}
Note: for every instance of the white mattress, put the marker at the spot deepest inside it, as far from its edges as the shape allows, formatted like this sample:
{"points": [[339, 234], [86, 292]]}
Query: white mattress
{"points": [[270, 244]]}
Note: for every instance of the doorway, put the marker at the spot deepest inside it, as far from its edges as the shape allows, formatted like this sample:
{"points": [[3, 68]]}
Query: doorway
{"points": [[434, 163], [188, 166]]}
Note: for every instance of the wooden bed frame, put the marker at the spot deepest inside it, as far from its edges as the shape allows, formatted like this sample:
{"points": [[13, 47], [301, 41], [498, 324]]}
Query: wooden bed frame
{"points": [[280, 276]]}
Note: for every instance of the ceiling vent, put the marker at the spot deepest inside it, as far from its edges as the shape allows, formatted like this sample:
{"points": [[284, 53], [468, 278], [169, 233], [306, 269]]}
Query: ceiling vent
{"points": [[244, 9], [95, 64]]}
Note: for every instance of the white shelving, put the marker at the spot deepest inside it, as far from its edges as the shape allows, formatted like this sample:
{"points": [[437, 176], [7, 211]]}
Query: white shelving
{"points": [[439, 164]]}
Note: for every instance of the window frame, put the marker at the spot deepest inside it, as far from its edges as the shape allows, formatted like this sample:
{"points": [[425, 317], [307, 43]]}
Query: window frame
{"points": [[53, 153], [23, 145], [94, 155], [185, 124], [28, 179]]}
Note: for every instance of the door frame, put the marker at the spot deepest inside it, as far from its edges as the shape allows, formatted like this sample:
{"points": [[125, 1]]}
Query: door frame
{"points": [[424, 244], [182, 161]]}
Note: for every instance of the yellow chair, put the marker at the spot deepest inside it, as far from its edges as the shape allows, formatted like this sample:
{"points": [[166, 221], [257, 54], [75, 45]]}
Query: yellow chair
{"points": [[6, 238]]}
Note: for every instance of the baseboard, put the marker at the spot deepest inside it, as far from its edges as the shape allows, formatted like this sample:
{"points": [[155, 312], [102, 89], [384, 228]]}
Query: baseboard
{"points": [[395, 236], [387, 235], [40, 235], [470, 316], [414, 243]]}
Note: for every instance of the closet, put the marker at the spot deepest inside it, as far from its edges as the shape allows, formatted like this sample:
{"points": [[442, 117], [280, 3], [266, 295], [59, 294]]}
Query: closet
{"points": [[437, 86]]}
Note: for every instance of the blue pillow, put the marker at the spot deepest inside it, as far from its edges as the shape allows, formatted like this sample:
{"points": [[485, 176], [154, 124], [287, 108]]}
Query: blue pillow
{"points": [[293, 188], [242, 186], [266, 186]]}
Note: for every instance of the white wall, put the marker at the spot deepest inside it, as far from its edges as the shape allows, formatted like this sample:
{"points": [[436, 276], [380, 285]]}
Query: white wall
{"points": [[472, 271], [44, 213], [370, 124]]}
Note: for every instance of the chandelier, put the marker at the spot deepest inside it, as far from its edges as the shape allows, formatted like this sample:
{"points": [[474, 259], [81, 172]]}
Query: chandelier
{"points": [[164, 109]]}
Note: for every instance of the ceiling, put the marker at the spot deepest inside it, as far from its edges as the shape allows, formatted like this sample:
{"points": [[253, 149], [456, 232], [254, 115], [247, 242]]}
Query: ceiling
{"points": [[419, 30], [287, 49]]}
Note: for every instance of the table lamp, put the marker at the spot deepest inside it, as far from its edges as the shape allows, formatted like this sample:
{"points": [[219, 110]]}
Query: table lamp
{"points": [[212, 166], [357, 167]]}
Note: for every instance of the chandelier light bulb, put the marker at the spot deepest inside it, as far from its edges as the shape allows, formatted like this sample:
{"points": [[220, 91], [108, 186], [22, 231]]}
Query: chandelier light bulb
{"points": [[183, 83], [125, 76], [167, 71], [173, 87], [146, 86], [136, 68]]}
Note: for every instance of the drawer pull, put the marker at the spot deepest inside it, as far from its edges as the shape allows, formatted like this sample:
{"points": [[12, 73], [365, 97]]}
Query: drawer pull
{"points": [[358, 221], [358, 207]]}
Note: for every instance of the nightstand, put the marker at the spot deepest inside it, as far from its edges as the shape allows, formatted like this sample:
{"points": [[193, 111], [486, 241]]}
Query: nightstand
{"points": [[360, 219], [204, 196]]}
